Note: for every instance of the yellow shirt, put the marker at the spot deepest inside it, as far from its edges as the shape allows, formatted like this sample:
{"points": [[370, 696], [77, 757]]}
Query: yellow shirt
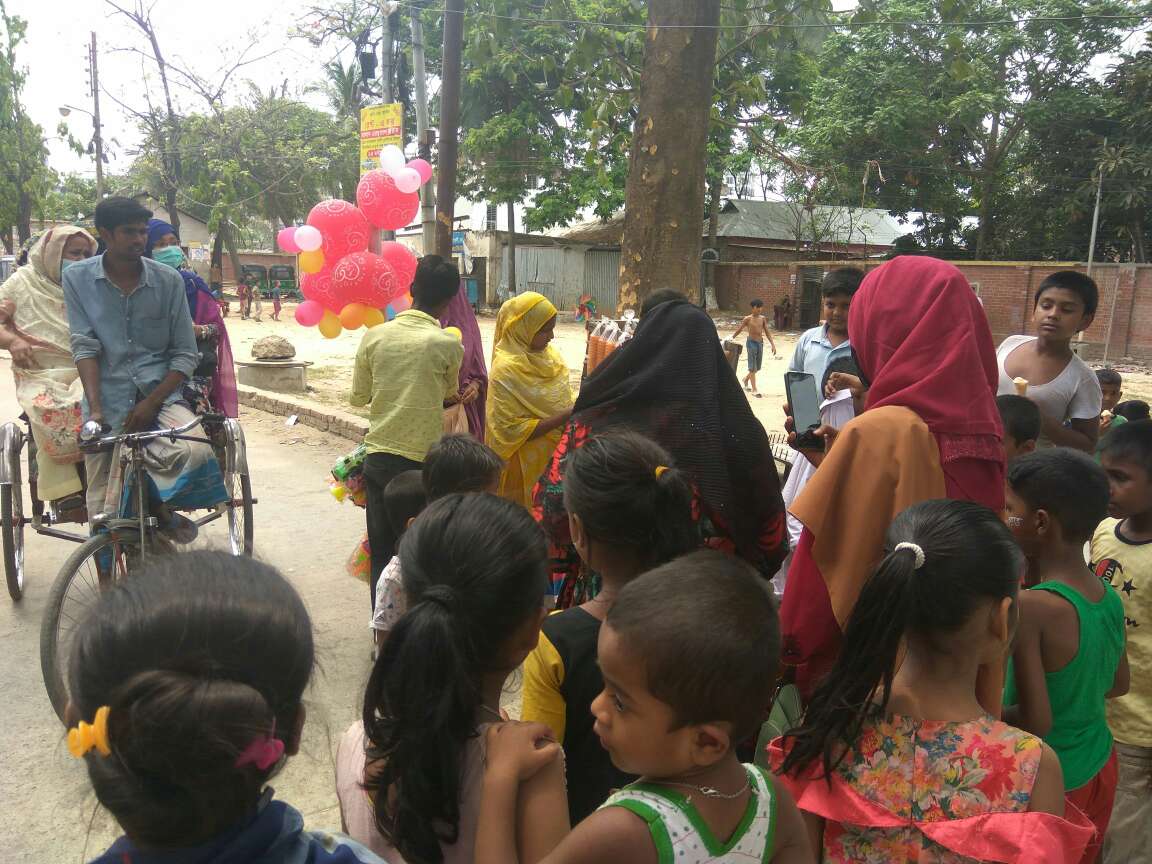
{"points": [[1128, 567], [405, 369]]}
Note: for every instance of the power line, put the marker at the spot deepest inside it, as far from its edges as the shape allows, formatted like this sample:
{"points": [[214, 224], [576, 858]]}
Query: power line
{"points": [[822, 25]]}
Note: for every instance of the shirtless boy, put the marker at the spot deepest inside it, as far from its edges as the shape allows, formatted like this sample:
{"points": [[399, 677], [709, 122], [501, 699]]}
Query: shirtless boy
{"points": [[757, 326]]}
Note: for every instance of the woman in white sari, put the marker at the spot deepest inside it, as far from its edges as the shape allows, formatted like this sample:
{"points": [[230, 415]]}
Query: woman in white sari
{"points": [[34, 329]]}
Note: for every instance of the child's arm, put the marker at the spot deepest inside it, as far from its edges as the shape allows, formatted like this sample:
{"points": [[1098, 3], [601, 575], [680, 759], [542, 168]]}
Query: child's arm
{"points": [[792, 844], [1078, 434], [1048, 790], [542, 812], [768, 336], [515, 752], [740, 329], [1033, 713], [1122, 683], [814, 827]]}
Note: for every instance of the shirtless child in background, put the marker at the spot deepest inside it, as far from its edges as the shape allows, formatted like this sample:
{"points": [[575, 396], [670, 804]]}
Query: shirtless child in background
{"points": [[757, 326]]}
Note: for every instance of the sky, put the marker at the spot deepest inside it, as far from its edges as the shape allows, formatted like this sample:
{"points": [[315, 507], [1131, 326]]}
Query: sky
{"points": [[205, 35]]}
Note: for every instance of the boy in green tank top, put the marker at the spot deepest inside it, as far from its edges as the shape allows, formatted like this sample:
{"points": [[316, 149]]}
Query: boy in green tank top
{"points": [[1069, 656]]}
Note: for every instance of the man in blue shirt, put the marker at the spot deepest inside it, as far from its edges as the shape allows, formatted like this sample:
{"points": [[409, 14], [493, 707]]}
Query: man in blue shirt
{"points": [[134, 346], [826, 342]]}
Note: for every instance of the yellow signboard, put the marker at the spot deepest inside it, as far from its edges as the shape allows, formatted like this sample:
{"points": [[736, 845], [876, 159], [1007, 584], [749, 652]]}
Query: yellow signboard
{"points": [[379, 125]]}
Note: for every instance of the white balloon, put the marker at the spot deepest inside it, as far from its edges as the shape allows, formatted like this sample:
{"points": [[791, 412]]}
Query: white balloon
{"points": [[407, 179], [391, 158], [308, 238]]}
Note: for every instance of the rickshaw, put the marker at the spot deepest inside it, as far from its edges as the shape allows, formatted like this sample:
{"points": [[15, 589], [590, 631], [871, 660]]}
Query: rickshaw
{"points": [[121, 543]]}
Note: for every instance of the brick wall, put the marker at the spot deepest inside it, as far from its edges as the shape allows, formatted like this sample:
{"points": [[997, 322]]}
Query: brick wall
{"points": [[1006, 289]]}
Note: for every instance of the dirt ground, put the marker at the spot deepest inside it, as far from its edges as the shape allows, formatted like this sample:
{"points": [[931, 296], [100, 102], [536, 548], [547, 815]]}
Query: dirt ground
{"points": [[330, 379]]}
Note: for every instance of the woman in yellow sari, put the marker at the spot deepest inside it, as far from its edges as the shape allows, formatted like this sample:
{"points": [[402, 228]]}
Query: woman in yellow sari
{"points": [[529, 398]]}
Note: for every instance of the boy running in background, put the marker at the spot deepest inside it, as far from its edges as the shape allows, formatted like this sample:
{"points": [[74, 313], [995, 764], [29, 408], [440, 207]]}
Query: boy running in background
{"points": [[1021, 419], [824, 343], [1058, 381], [1122, 556], [1111, 391], [1069, 655], [757, 326]]}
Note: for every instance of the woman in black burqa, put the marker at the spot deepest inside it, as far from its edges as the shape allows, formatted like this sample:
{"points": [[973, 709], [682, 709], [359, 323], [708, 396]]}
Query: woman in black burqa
{"points": [[672, 383]]}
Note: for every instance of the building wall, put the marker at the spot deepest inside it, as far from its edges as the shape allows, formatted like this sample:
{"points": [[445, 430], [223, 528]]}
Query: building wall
{"points": [[1006, 288]]}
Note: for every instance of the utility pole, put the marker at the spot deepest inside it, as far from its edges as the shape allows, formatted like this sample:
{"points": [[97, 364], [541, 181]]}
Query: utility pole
{"points": [[449, 150], [386, 52], [423, 134], [1096, 215], [97, 138]]}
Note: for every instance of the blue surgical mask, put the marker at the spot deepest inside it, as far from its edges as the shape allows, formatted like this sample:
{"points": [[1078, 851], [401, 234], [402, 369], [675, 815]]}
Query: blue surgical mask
{"points": [[66, 263], [170, 255]]}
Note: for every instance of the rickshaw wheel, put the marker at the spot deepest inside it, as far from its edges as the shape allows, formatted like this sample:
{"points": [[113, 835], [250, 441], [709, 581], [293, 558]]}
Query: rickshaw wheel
{"points": [[12, 535], [240, 529], [98, 564]]}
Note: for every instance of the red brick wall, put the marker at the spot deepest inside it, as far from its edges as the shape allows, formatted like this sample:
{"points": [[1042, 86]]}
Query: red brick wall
{"points": [[1006, 289]]}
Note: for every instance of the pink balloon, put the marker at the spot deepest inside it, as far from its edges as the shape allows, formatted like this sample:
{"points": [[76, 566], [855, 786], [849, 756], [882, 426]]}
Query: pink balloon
{"points": [[318, 287], [401, 303], [423, 168], [286, 240], [402, 260], [309, 313], [344, 228], [386, 206], [407, 180], [364, 278], [308, 238]]}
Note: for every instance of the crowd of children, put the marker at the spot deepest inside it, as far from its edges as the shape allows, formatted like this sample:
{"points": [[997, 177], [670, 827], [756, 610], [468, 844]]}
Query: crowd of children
{"points": [[640, 706]]}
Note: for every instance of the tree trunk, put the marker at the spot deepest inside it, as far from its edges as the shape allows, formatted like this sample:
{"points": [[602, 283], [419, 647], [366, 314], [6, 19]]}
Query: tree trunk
{"points": [[23, 215], [449, 125], [1136, 231], [216, 265], [228, 233], [6, 239], [664, 195], [511, 248], [984, 232]]}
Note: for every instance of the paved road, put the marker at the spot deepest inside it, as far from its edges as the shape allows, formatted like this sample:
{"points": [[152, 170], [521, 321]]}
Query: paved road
{"points": [[47, 813]]}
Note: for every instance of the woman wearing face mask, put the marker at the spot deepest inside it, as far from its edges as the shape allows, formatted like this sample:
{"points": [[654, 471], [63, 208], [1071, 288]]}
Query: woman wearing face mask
{"points": [[212, 386], [34, 329]]}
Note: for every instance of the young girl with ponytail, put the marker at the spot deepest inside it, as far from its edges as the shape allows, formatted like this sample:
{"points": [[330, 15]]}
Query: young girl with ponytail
{"points": [[629, 510], [185, 698], [895, 759], [409, 775]]}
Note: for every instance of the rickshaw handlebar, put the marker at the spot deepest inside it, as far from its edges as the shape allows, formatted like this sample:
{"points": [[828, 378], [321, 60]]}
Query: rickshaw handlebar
{"points": [[92, 443]]}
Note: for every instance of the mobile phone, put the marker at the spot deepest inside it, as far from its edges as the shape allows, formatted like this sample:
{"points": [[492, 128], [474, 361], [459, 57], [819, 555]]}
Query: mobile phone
{"points": [[804, 398]]}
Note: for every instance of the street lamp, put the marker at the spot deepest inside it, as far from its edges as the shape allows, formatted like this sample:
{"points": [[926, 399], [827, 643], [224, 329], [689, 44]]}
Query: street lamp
{"points": [[65, 110]]}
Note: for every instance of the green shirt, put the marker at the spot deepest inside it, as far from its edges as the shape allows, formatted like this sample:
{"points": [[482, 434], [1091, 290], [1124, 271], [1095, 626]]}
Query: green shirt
{"points": [[1078, 692], [405, 369]]}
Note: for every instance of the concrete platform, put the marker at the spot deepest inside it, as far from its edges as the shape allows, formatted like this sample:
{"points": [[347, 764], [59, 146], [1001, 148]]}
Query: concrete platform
{"points": [[281, 376]]}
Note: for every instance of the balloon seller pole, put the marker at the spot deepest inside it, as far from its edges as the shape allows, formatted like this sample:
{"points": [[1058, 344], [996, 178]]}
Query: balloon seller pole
{"points": [[423, 138], [449, 125]]}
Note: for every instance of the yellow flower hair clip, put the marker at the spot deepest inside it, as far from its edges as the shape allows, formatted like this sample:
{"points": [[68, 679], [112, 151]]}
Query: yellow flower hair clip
{"points": [[660, 469], [86, 736]]}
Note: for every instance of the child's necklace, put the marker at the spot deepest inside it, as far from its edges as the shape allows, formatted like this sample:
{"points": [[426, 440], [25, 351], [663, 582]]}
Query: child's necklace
{"points": [[709, 791]]}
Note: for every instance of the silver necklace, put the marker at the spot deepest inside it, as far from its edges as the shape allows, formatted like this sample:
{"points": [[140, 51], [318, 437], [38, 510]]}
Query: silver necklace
{"points": [[709, 791]]}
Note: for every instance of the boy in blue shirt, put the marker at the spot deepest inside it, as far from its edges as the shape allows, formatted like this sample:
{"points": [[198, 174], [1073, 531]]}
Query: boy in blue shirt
{"points": [[828, 341]]}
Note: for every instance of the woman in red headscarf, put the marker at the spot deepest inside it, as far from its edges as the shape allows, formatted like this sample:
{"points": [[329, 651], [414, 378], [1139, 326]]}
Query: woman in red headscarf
{"points": [[930, 429]]}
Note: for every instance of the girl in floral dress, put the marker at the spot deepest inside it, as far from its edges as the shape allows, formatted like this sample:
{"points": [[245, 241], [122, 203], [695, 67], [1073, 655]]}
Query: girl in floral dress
{"points": [[895, 759]]}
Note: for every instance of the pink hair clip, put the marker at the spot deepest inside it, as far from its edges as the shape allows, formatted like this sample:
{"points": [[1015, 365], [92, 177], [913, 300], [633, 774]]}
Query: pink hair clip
{"points": [[263, 752]]}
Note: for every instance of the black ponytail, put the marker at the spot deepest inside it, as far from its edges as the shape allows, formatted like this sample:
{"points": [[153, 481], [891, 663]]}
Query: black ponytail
{"points": [[195, 659], [629, 495], [474, 569], [969, 557]]}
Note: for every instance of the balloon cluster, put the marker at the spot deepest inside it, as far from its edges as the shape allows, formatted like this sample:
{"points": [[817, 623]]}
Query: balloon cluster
{"points": [[344, 285]]}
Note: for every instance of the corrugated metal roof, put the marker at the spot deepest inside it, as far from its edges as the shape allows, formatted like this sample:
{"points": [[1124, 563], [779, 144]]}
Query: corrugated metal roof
{"points": [[778, 220], [767, 220]]}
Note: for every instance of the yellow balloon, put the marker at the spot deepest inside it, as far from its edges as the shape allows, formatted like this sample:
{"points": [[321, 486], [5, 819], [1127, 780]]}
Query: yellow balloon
{"points": [[455, 331], [373, 318], [312, 262], [352, 316], [329, 325]]}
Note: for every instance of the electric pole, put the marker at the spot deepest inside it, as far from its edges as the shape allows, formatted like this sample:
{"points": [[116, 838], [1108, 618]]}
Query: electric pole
{"points": [[97, 139], [1096, 215], [449, 149], [423, 134]]}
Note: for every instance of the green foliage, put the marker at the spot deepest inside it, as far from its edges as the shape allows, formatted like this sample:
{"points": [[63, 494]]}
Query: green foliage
{"points": [[24, 175]]}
